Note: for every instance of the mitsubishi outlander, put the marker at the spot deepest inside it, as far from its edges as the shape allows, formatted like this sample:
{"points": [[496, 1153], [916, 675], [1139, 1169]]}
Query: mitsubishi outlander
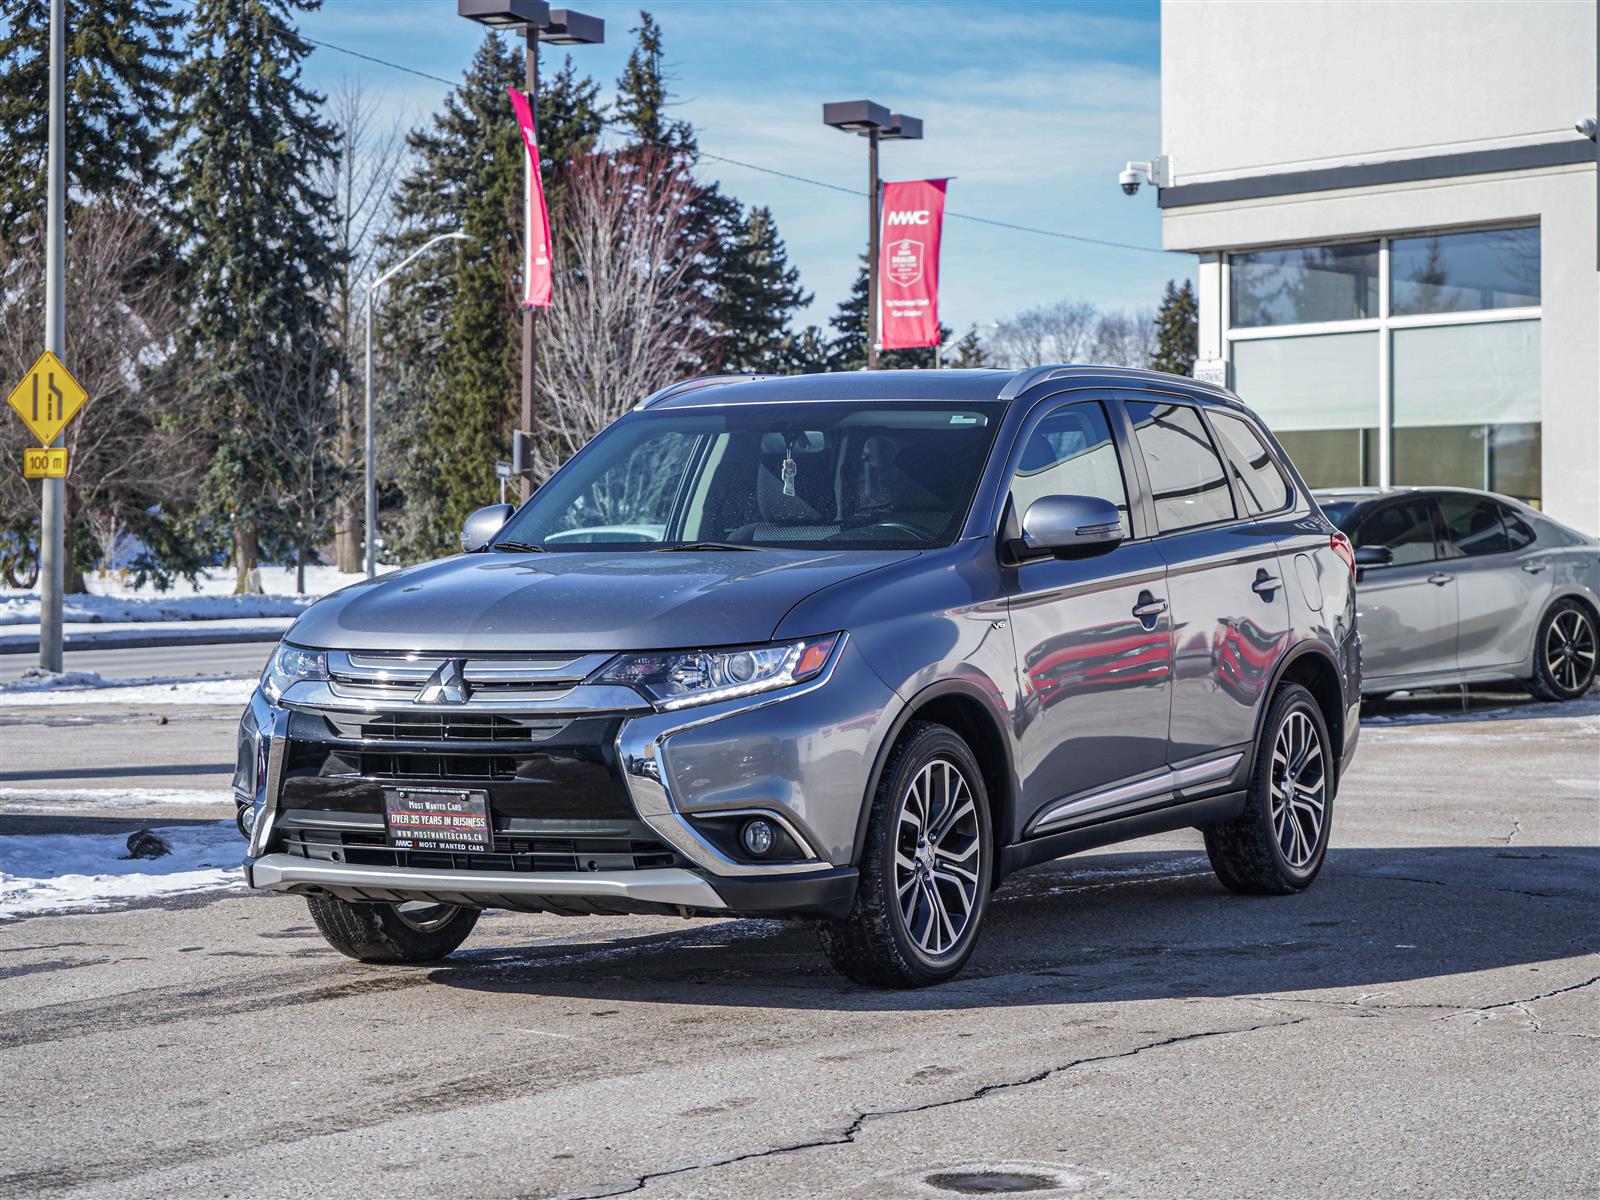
{"points": [[850, 648]]}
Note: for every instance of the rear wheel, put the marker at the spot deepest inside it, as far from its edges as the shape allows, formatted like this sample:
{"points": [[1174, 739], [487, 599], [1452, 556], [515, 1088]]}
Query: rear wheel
{"points": [[926, 869], [1277, 844], [1564, 654], [411, 932]]}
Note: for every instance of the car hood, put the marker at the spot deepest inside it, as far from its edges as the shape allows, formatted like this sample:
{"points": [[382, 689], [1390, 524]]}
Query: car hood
{"points": [[579, 600]]}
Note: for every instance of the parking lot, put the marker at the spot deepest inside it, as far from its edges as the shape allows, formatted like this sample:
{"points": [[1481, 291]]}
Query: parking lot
{"points": [[1423, 1021]]}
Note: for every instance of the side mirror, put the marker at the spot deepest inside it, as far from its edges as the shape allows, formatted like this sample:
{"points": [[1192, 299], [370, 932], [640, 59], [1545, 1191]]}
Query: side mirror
{"points": [[1374, 556], [1070, 525], [483, 525]]}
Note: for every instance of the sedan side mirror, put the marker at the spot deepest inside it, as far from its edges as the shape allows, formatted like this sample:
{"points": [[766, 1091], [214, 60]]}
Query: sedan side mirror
{"points": [[482, 525], [1374, 556], [1069, 525]]}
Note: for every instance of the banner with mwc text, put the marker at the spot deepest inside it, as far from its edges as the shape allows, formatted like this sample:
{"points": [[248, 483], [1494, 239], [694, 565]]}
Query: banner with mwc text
{"points": [[536, 256], [908, 263]]}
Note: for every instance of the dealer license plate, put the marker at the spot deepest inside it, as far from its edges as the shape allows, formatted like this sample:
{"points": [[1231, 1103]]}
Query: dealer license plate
{"points": [[437, 819]]}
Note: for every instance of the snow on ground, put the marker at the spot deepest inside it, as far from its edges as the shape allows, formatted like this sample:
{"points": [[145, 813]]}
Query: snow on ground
{"points": [[50, 872], [1446, 710], [53, 800], [38, 690]]}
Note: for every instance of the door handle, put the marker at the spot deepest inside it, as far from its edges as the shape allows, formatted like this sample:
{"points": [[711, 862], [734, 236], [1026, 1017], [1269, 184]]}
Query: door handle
{"points": [[1265, 584], [1439, 578], [1533, 568], [1149, 608]]}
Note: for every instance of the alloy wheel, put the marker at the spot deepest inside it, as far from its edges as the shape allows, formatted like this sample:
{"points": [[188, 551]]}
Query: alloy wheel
{"points": [[1299, 786], [1569, 650], [424, 916], [938, 843]]}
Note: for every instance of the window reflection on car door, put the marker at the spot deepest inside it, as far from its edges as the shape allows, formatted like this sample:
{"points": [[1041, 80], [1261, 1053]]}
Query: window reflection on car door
{"points": [[1498, 601], [1406, 611]]}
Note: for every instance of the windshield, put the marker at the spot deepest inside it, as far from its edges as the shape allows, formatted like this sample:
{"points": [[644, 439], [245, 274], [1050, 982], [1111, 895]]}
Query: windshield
{"points": [[861, 475]]}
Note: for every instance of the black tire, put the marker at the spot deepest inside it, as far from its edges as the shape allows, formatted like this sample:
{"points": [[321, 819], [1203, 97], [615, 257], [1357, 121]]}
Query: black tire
{"points": [[1248, 853], [1564, 653], [382, 933], [876, 943]]}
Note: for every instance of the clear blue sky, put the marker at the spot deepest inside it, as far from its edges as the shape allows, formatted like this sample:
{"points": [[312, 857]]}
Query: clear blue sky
{"points": [[1032, 107]]}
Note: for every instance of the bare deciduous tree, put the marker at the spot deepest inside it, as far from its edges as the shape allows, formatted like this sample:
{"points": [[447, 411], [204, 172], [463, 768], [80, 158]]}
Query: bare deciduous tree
{"points": [[1069, 331], [361, 180], [128, 467], [623, 319]]}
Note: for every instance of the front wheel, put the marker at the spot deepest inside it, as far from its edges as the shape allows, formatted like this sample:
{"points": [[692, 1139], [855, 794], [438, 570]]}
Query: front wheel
{"points": [[1277, 844], [1564, 654], [926, 869], [417, 931]]}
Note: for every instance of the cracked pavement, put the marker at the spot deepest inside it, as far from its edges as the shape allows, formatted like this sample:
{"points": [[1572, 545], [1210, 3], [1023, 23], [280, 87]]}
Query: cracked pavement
{"points": [[1425, 1020]]}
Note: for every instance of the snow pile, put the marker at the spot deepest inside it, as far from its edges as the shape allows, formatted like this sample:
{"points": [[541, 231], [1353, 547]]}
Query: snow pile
{"points": [[42, 689], [78, 609], [52, 872], [48, 800]]}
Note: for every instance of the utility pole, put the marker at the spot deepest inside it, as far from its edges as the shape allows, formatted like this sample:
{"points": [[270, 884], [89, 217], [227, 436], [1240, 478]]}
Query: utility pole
{"points": [[52, 524], [875, 123]]}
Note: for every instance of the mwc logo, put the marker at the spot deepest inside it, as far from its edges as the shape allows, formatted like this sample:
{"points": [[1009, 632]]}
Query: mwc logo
{"points": [[920, 217]]}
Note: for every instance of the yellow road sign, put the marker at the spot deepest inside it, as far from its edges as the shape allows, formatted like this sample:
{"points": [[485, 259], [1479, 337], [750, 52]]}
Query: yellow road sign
{"points": [[47, 398], [44, 462]]}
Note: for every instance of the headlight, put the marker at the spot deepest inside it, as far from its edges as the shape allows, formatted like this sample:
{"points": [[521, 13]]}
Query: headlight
{"points": [[679, 678], [290, 664]]}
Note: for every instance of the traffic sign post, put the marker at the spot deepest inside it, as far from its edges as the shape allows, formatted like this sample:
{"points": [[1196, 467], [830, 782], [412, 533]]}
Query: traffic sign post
{"points": [[47, 398], [53, 497], [44, 462]]}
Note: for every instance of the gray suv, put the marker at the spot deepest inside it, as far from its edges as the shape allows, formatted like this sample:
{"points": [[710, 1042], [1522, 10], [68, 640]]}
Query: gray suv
{"points": [[851, 648]]}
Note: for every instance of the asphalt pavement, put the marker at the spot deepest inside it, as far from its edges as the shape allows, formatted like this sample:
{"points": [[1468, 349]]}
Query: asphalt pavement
{"points": [[1422, 1022], [146, 662]]}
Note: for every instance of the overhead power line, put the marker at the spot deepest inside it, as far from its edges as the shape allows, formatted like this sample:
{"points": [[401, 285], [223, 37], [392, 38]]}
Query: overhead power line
{"points": [[750, 166]]}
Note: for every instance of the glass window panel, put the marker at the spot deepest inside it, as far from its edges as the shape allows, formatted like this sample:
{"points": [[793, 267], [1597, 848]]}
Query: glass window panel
{"points": [[1328, 458], [1514, 453], [1321, 381], [1476, 374], [1462, 272], [1186, 478], [1405, 528], [1071, 453], [1255, 471], [1303, 284], [1472, 526], [1519, 532], [1441, 455]]}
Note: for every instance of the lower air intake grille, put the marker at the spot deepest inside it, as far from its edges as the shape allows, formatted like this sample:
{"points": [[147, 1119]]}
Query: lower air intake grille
{"points": [[510, 853]]}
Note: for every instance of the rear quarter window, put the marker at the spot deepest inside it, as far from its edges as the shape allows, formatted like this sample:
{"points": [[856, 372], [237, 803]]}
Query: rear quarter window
{"points": [[1260, 480]]}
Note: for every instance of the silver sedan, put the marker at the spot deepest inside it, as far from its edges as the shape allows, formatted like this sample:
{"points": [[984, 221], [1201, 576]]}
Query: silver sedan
{"points": [[1460, 586]]}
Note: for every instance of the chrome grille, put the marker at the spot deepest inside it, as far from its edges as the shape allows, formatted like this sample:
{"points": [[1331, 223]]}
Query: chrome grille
{"points": [[402, 677]]}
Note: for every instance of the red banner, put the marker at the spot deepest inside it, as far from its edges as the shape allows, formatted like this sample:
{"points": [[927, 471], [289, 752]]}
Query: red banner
{"points": [[908, 263], [536, 257]]}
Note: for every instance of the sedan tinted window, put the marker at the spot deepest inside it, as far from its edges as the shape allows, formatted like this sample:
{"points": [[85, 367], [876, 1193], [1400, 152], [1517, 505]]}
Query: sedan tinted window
{"points": [[1255, 471], [1406, 528], [1518, 532], [1186, 477], [1473, 526]]}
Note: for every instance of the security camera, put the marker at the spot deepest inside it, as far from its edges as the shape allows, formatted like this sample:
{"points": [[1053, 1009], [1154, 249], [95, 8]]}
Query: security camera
{"points": [[1129, 179], [1586, 127]]}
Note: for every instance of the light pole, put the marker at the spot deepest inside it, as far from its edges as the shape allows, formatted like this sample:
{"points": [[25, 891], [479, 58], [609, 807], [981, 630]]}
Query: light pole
{"points": [[560, 27], [371, 555], [875, 123]]}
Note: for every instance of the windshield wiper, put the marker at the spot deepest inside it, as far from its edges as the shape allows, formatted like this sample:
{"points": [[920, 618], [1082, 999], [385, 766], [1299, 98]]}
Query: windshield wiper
{"points": [[518, 547], [702, 546]]}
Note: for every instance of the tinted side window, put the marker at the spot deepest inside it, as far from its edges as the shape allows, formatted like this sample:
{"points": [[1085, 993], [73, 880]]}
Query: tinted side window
{"points": [[1071, 453], [1519, 534], [1473, 526], [1256, 472], [1186, 477], [1405, 528]]}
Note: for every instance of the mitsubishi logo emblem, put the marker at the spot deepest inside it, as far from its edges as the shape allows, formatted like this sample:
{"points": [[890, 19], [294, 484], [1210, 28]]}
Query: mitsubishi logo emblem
{"points": [[447, 685]]}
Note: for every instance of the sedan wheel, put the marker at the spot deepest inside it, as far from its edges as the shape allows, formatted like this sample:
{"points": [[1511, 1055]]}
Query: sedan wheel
{"points": [[1565, 655]]}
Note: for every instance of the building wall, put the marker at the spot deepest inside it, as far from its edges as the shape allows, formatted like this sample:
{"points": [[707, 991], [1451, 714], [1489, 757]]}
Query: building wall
{"points": [[1371, 82], [1250, 88]]}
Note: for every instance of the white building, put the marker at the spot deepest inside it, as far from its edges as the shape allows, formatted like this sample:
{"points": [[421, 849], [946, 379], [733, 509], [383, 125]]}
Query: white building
{"points": [[1396, 223]]}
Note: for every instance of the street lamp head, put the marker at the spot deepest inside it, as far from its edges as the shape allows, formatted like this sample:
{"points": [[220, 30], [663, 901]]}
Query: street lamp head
{"points": [[505, 14], [857, 116], [903, 128], [568, 28]]}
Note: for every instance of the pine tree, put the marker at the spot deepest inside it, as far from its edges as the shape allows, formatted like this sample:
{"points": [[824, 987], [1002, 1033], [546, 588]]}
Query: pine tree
{"points": [[761, 294], [969, 352], [250, 143], [642, 92], [1177, 331], [120, 60], [848, 350]]}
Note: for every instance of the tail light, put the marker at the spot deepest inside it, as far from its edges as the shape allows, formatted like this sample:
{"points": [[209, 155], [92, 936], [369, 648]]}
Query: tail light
{"points": [[1340, 545]]}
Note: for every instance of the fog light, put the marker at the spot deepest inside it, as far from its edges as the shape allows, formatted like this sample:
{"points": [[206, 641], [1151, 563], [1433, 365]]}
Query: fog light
{"points": [[245, 819], [757, 836]]}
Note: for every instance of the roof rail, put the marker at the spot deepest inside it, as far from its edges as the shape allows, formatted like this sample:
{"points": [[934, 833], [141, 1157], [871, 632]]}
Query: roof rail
{"points": [[695, 384], [1029, 377]]}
